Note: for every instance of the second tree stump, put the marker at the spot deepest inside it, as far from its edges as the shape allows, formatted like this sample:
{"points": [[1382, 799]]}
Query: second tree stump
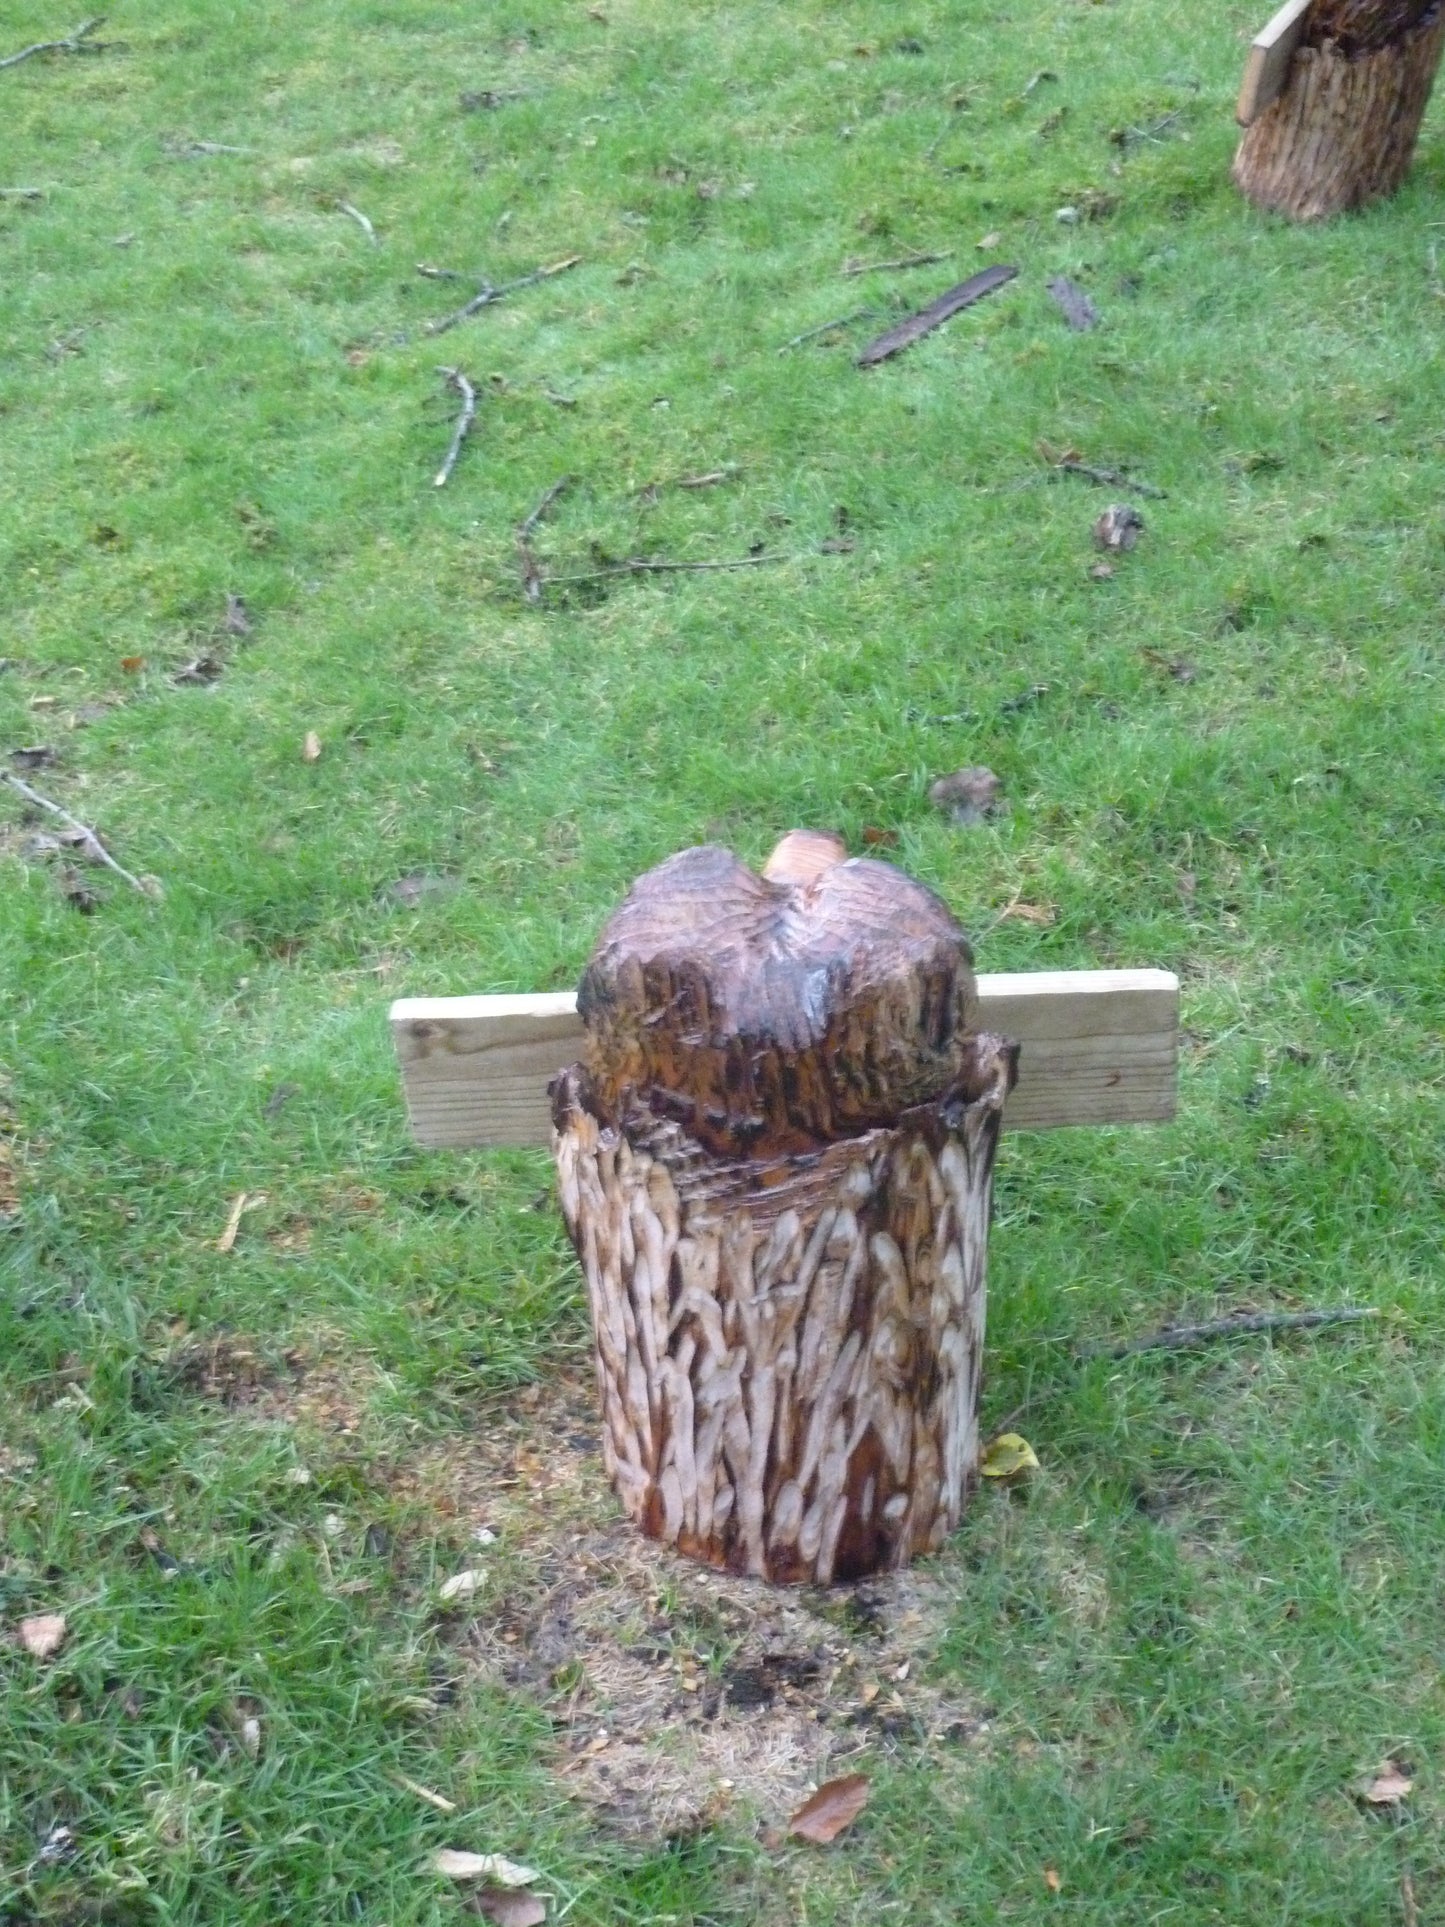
{"points": [[775, 1161], [1342, 132]]}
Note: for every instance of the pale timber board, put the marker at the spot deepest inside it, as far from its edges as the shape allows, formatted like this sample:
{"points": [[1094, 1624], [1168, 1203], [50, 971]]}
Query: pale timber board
{"points": [[1266, 68], [1098, 1047]]}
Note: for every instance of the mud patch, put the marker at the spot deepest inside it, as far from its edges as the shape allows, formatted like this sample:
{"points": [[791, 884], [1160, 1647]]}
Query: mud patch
{"points": [[676, 1693], [306, 1387]]}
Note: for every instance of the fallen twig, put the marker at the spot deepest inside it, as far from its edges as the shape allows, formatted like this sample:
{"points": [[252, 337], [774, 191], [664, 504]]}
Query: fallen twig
{"points": [[457, 380], [539, 514], [22, 193], [437, 1800], [180, 150], [487, 294], [532, 576], [74, 43], [986, 281], [1409, 1911], [443, 274], [636, 566], [1107, 477], [345, 207], [1171, 1336], [90, 844], [890, 267], [709, 480], [827, 327]]}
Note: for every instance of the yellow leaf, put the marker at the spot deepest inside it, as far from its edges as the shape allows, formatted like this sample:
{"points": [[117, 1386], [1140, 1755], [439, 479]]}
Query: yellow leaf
{"points": [[1007, 1456]]}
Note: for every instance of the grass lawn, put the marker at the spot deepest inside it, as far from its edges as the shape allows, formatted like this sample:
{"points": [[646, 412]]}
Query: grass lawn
{"points": [[1143, 1688]]}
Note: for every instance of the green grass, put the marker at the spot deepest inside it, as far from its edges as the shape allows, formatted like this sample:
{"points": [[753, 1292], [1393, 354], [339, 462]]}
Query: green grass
{"points": [[1221, 1600]]}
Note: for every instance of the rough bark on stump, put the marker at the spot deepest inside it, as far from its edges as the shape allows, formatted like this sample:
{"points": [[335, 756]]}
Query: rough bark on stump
{"points": [[775, 1163], [1343, 132]]}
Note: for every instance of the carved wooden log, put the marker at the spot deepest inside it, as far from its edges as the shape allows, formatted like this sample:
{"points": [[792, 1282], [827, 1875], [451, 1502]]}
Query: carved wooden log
{"points": [[775, 1162], [1343, 130]]}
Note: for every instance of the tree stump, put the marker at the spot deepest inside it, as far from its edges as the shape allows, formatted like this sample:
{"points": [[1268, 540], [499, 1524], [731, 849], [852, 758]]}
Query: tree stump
{"points": [[1343, 130], [775, 1162]]}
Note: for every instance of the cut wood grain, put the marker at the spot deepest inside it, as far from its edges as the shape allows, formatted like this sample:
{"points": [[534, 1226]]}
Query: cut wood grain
{"points": [[1098, 1047], [1267, 67]]}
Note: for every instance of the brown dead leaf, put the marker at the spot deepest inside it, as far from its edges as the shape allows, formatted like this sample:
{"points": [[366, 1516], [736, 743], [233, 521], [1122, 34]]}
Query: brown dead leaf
{"points": [[835, 1805], [1073, 303], [202, 669], [509, 1909], [76, 891], [1179, 667], [877, 839], [311, 748], [968, 795], [1393, 1783], [43, 1635], [1119, 527], [132, 665], [1052, 1880]]}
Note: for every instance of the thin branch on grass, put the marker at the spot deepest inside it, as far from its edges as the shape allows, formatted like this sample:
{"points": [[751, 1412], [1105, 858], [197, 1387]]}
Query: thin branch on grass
{"points": [[709, 480], [457, 381], [443, 274], [889, 267], [487, 294], [22, 193], [531, 569], [77, 42], [345, 207], [1409, 1911], [90, 844], [827, 327], [1108, 478], [1170, 1337], [543, 508], [636, 566]]}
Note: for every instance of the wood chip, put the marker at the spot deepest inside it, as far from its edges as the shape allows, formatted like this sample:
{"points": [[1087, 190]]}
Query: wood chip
{"points": [[457, 1865], [233, 1223], [43, 1635], [506, 1909], [986, 281], [835, 1805], [311, 748], [462, 1585], [437, 1800]]}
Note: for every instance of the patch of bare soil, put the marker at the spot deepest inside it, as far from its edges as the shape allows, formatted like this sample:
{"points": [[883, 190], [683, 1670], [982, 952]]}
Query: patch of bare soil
{"points": [[675, 1692], [302, 1386]]}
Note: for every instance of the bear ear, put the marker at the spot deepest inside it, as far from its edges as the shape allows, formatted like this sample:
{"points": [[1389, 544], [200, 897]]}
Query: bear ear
{"points": [[804, 854]]}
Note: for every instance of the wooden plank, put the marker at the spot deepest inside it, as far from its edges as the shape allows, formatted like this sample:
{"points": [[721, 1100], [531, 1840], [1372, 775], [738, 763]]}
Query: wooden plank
{"points": [[1267, 67], [1099, 1047]]}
